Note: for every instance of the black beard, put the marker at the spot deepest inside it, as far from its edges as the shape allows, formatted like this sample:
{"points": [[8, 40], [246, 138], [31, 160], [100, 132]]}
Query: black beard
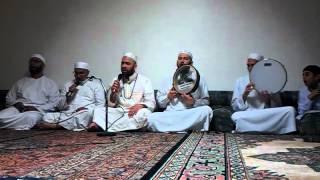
{"points": [[35, 70], [128, 73], [180, 65]]}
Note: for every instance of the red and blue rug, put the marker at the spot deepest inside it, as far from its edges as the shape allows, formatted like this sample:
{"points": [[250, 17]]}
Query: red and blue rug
{"points": [[83, 155], [200, 156], [138, 155]]}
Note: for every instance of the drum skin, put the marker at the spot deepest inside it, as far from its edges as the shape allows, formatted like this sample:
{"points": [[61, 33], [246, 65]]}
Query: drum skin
{"points": [[268, 75], [186, 79]]}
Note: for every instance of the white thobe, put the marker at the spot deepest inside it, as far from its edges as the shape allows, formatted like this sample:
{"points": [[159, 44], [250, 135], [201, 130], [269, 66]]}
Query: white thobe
{"points": [[137, 91], [252, 115], [179, 117], [305, 104], [90, 95], [42, 93]]}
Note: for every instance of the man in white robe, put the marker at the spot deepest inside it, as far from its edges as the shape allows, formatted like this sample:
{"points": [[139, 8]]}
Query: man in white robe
{"points": [[77, 102], [183, 111], [255, 111], [130, 99], [29, 98]]}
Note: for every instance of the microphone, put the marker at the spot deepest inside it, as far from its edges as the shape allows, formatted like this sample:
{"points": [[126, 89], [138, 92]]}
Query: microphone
{"points": [[106, 133], [123, 77], [72, 93], [120, 76], [119, 79]]}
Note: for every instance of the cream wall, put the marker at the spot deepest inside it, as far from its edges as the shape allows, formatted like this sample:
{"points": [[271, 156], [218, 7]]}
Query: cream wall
{"points": [[220, 33]]}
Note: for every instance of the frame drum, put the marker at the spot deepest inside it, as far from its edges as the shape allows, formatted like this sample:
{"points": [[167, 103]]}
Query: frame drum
{"points": [[268, 75], [186, 79]]}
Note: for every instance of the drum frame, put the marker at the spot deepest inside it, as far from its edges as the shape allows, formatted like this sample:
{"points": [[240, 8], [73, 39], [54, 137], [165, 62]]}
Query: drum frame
{"points": [[195, 87], [286, 77]]}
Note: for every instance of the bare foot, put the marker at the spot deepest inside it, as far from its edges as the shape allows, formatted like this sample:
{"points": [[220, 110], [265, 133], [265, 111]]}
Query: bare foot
{"points": [[93, 127], [45, 125]]}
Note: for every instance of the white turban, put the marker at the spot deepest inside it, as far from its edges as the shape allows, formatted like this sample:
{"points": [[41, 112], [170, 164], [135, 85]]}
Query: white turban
{"points": [[130, 55], [255, 56], [39, 56], [186, 52], [81, 65]]}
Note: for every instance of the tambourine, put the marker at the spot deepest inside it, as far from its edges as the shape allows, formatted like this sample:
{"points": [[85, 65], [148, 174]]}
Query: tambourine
{"points": [[268, 75], [186, 79]]}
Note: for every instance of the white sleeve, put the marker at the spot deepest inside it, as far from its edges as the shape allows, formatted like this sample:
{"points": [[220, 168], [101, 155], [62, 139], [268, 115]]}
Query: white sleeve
{"points": [[304, 103], [62, 104], [100, 99], [11, 97], [204, 94], [162, 94], [53, 97], [148, 96], [237, 102]]}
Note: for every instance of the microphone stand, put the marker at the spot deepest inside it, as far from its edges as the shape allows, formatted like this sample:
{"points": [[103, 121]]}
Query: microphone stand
{"points": [[105, 133]]}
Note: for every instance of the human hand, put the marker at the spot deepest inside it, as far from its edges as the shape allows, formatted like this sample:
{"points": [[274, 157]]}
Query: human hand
{"points": [[172, 94], [314, 94], [248, 88], [187, 99], [247, 91], [265, 96], [133, 110], [72, 88], [115, 88]]}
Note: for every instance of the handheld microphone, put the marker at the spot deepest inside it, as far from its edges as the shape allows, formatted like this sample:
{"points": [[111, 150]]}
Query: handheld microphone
{"points": [[119, 79], [120, 76], [72, 93], [92, 77]]}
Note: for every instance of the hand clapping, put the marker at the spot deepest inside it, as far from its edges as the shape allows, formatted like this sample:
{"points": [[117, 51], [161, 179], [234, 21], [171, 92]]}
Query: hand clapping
{"points": [[314, 94]]}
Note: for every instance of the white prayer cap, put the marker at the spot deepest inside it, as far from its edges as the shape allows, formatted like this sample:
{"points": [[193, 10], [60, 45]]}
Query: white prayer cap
{"points": [[39, 56], [81, 65], [255, 56], [130, 55], [186, 52]]}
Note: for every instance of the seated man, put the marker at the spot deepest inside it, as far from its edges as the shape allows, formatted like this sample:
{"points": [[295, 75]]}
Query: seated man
{"points": [[309, 101], [183, 111], [256, 111], [29, 98], [77, 102], [130, 100]]}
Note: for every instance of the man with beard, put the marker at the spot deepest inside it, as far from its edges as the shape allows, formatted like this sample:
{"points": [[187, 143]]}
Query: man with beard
{"points": [[183, 111], [78, 100], [130, 99], [259, 111], [29, 98]]}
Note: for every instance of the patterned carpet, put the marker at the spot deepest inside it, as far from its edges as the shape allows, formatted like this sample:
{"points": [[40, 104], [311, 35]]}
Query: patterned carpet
{"points": [[200, 156], [272, 157], [137, 155], [83, 155]]}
